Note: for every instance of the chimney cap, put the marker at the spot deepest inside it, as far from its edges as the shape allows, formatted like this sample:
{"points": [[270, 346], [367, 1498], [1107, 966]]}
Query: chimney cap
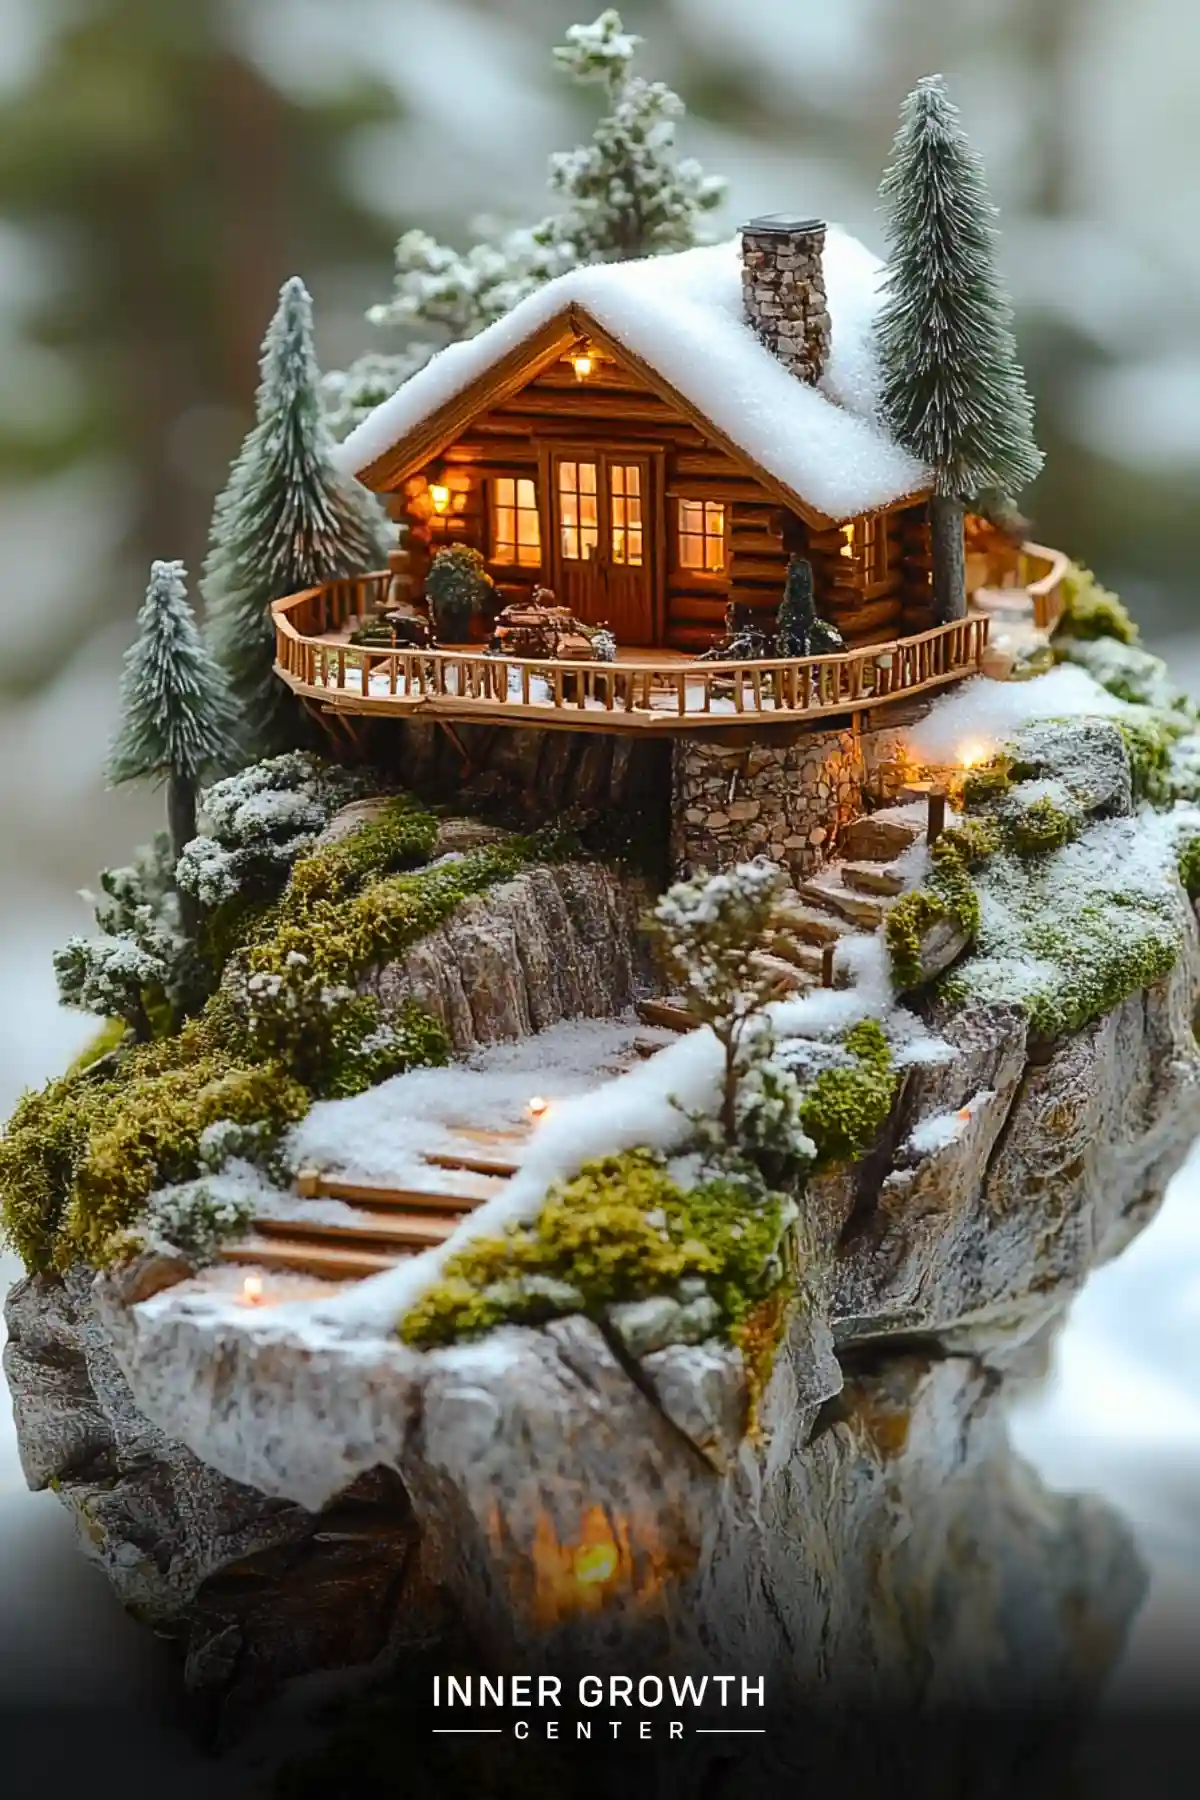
{"points": [[782, 224]]}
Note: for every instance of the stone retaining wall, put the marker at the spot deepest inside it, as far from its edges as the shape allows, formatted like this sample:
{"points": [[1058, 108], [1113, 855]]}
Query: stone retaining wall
{"points": [[785, 800]]}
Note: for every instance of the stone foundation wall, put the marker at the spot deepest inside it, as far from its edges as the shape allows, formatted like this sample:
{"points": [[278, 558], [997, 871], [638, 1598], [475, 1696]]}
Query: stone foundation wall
{"points": [[786, 801]]}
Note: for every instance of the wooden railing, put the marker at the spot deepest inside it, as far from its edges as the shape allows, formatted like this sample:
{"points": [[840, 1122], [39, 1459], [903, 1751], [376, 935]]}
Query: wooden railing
{"points": [[1042, 574], [629, 694]]}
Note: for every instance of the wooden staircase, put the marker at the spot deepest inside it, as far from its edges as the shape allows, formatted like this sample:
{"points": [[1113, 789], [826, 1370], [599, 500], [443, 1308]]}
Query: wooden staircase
{"points": [[388, 1225]]}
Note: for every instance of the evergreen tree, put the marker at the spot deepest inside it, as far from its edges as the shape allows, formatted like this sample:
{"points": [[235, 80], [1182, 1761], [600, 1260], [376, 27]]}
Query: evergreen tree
{"points": [[953, 390], [177, 717], [625, 193], [287, 520]]}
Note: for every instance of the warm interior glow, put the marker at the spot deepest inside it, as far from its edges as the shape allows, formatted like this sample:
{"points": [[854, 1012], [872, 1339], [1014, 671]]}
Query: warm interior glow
{"points": [[596, 1562], [516, 531], [252, 1290], [582, 364], [702, 536], [848, 540], [538, 1107], [439, 496]]}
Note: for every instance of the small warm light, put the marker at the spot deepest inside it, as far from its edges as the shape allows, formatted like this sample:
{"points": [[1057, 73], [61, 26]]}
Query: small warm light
{"points": [[537, 1107], [582, 364], [972, 756], [252, 1290], [439, 496], [593, 1563], [964, 1113]]}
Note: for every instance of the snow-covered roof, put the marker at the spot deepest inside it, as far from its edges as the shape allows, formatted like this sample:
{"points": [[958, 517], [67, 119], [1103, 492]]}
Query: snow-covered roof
{"points": [[683, 316]]}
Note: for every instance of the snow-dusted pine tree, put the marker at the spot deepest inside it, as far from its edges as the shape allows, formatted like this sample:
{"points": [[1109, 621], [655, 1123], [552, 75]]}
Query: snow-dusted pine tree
{"points": [[953, 390], [624, 193], [287, 520], [177, 716]]}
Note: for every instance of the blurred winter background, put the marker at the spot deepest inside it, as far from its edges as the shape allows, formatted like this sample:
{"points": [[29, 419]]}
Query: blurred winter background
{"points": [[165, 163]]}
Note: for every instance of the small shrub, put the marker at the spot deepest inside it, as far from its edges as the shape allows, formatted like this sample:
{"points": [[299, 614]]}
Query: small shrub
{"points": [[620, 1230], [1189, 866], [1092, 611], [1041, 827], [458, 588], [845, 1107]]}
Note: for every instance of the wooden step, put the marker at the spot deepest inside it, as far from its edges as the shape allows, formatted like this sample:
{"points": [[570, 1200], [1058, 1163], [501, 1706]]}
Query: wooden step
{"points": [[788, 978], [863, 910], [879, 836], [871, 878], [327, 1262], [382, 1230], [793, 950], [312, 1186], [666, 1013], [808, 924], [474, 1165]]}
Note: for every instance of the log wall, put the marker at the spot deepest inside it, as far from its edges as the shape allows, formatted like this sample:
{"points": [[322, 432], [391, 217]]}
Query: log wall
{"points": [[613, 407]]}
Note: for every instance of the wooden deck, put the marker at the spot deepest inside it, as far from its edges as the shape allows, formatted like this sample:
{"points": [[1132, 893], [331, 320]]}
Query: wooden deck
{"points": [[652, 691]]}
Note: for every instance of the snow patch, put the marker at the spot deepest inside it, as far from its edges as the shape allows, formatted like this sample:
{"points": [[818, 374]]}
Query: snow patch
{"points": [[981, 714]]}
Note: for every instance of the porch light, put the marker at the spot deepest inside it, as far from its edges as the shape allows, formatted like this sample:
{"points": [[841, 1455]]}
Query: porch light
{"points": [[582, 362], [537, 1108], [439, 496], [252, 1290]]}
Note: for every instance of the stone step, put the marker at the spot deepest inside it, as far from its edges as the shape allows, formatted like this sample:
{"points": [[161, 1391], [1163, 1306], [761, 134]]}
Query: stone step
{"points": [[810, 925], [881, 836], [300, 1257], [864, 910], [793, 950], [871, 878]]}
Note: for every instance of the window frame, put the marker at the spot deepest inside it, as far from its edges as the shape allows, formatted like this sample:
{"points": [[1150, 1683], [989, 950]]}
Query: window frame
{"points": [[870, 547], [513, 563], [702, 573]]}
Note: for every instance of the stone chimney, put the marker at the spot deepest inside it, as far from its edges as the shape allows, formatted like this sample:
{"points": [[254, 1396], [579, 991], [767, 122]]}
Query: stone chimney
{"points": [[783, 290]]}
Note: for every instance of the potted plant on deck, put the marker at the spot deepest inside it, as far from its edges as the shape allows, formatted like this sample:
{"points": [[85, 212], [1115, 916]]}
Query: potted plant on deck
{"points": [[458, 590]]}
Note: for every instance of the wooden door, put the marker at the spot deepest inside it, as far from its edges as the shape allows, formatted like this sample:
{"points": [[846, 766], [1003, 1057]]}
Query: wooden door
{"points": [[603, 540]]}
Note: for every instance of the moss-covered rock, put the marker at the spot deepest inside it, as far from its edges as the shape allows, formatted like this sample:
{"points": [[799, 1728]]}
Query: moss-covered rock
{"points": [[845, 1107], [621, 1231], [1092, 611]]}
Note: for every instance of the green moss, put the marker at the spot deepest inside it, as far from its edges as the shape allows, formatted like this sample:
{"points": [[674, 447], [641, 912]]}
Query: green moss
{"points": [[949, 894], [1148, 744], [79, 1158], [344, 913], [620, 1230], [1092, 611], [844, 1108], [1041, 827], [988, 781], [110, 1035], [1189, 866]]}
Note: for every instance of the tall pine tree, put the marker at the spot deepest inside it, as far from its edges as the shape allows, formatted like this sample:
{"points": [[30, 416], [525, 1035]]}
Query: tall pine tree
{"points": [[953, 390], [177, 715], [287, 520]]}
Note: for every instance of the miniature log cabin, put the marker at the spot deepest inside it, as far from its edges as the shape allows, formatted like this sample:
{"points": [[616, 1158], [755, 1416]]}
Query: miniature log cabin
{"points": [[652, 440]]}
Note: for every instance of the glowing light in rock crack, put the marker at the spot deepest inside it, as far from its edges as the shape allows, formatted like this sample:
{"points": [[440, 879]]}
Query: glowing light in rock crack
{"points": [[537, 1108], [964, 1113], [972, 755], [595, 1562], [252, 1290]]}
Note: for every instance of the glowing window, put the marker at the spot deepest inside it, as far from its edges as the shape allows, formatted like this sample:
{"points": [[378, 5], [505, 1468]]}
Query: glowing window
{"points": [[625, 500], [702, 536], [516, 536], [865, 540], [578, 515]]}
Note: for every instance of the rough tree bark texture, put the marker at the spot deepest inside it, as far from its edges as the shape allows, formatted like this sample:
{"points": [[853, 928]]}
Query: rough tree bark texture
{"points": [[949, 559]]}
